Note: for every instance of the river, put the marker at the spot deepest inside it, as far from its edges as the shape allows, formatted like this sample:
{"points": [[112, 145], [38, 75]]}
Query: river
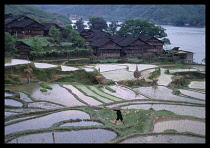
{"points": [[187, 38]]}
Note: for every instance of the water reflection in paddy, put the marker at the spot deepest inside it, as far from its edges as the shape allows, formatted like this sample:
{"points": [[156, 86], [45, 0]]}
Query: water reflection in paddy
{"points": [[165, 139], [46, 121], [81, 136], [124, 93], [10, 62], [164, 93], [57, 95], [197, 127], [12, 102]]}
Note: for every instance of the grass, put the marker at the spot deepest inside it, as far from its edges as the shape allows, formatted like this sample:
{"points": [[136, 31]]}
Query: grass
{"points": [[43, 90], [45, 86], [101, 93], [138, 121], [110, 89]]}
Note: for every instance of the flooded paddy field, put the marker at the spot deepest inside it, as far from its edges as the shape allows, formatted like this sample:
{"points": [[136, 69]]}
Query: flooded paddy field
{"points": [[124, 93], [164, 93], [165, 138], [46, 121], [197, 127], [81, 136], [57, 95], [80, 113]]}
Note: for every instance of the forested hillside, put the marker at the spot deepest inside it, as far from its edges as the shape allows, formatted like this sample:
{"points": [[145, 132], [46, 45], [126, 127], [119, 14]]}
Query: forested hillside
{"points": [[37, 14], [194, 15]]}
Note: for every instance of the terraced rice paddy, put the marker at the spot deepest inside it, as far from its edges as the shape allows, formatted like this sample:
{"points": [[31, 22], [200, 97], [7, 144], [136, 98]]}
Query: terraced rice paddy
{"points": [[180, 126], [164, 138], [164, 93], [198, 84], [124, 93], [89, 92], [14, 103], [85, 98], [46, 121], [87, 136], [78, 113]]}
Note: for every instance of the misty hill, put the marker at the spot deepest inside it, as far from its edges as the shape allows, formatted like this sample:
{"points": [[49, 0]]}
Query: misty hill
{"points": [[37, 14], [193, 15]]}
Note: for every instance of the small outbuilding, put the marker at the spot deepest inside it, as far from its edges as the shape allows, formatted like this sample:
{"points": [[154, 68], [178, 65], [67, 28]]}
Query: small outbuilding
{"points": [[23, 49]]}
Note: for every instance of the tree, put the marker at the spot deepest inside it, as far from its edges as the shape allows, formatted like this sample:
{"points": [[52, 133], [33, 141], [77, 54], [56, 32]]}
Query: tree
{"points": [[97, 23], [73, 36], [37, 45], [79, 24], [67, 32], [137, 28], [180, 21], [9, 43], [112, 28], [54, 33]]}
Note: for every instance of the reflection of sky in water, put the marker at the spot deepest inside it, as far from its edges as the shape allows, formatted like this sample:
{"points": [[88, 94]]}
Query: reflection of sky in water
{"points": [[58, 94], [180, 126], [165, 139], [81, 136], [164, 93]]}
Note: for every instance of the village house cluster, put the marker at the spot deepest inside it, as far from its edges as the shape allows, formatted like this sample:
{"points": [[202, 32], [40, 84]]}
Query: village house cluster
{"points": [[102, 43], [105, 45]]}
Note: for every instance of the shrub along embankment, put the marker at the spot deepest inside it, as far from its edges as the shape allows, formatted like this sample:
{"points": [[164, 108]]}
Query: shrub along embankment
{"points": [[16, 75]]}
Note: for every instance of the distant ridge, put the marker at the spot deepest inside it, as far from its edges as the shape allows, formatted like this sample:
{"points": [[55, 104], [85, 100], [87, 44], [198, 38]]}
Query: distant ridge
{"points": [[193, 15]]}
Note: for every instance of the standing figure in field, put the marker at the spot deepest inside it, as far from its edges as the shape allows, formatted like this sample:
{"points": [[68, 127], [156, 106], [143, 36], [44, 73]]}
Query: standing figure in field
{"points": [[119, 116]]}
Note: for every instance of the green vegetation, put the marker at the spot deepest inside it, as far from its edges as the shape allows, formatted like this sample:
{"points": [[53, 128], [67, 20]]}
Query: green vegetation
{"points": [[194, 15], [9, 44], [45, 86], [97, 23], [154, 74], [110, 89], [101, 93], [43, 90], [37, 14], [137, 28]]}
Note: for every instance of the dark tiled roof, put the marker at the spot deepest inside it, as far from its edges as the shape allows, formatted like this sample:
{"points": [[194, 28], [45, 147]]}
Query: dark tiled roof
{"points": [[26, 22], [48, 25], [97, 42], [100, 41], [125, 40], [20, 42], [145, 37]]}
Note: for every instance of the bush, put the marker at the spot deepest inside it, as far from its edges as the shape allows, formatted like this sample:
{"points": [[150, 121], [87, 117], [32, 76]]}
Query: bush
{"points": [[154, 74], [167, 71]]}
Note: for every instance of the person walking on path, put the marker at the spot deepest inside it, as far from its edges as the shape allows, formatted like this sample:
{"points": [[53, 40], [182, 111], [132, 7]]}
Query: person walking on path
{"points": [[119, 116]]}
